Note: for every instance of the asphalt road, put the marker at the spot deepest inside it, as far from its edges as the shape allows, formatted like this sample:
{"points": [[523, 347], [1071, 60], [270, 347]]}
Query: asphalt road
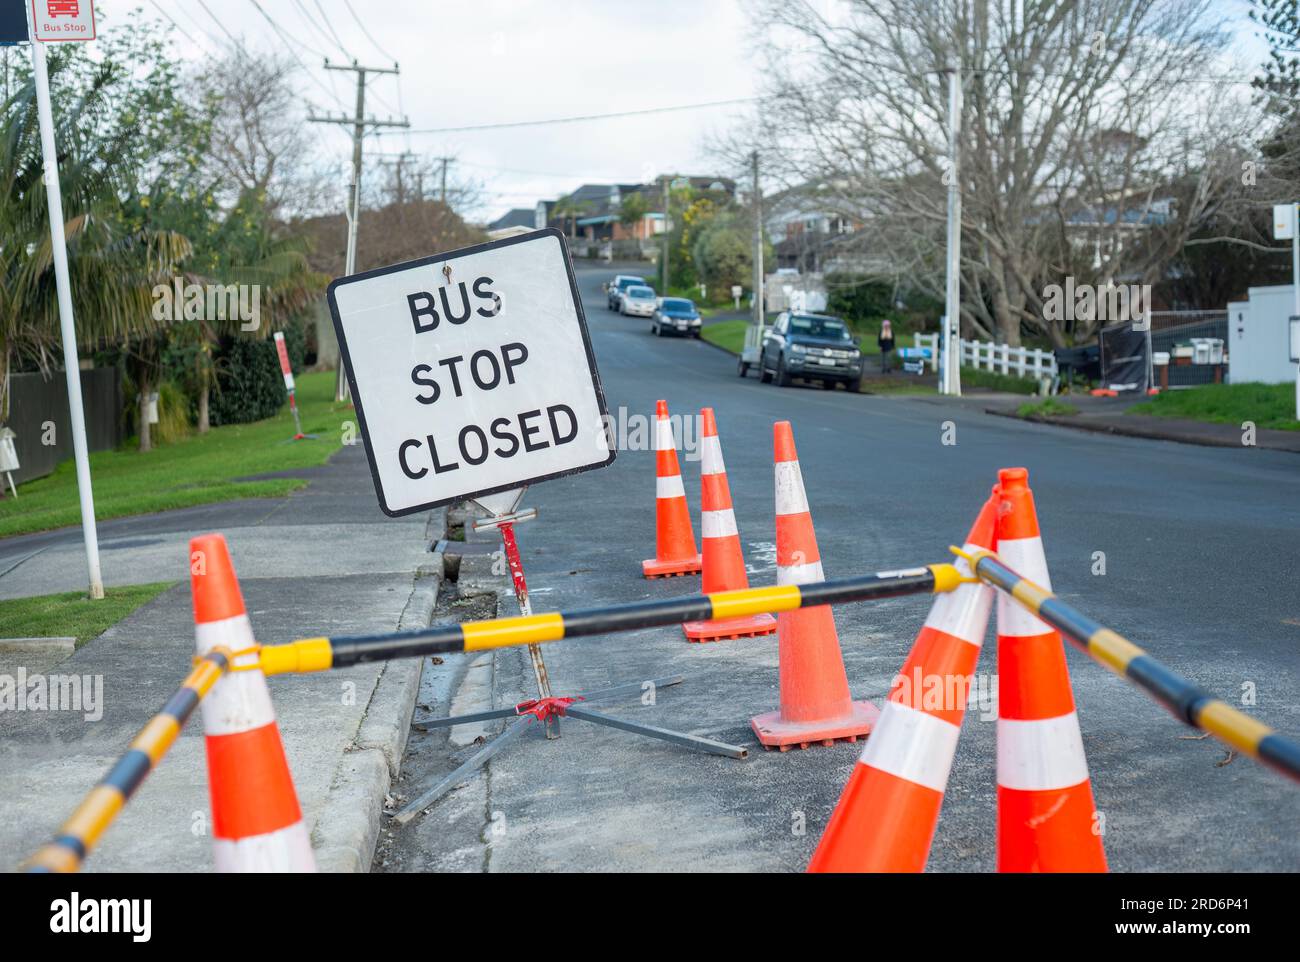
{"points": [[1200, 550]]}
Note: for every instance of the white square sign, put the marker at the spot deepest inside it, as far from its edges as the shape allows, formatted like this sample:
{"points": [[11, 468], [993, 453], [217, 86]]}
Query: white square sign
{"points": [[471, 371], [63, 20]]}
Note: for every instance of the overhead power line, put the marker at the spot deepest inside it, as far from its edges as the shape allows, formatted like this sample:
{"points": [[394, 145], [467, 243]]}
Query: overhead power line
{"points": [[286, 35], [199, 26], [372, 40], [330, 27], [173, 22], [219, 23], [312, 22], [586, 117], [292, 53]]}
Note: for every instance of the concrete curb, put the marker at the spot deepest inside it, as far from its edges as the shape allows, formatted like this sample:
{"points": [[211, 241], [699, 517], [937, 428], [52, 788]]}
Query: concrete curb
{"points": [[718, 347], [347, 827]]}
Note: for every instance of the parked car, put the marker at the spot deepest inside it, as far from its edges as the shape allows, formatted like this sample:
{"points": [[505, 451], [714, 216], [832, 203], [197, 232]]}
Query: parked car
{"points": [[814, 347], [675, 315], [615, 288], [638, 301]]}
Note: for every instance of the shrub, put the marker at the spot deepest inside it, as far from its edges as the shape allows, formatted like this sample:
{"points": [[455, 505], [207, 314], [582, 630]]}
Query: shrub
{"points": [[996, 381], [1048, 407], [249, 386], [173, 414]]}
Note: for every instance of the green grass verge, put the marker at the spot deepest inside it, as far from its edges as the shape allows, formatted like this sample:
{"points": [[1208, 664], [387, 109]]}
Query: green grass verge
{"points": [[1048, 407], [1268, 405], [726, 334], [996, 381], [199, 469], [73, 613]]}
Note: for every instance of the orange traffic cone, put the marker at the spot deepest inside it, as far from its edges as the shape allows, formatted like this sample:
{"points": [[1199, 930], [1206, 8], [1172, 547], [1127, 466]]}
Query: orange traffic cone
{"points": [[724, 562], [1046, 813], [256, 822], [815, 701], [887, 813], [675, 552]]}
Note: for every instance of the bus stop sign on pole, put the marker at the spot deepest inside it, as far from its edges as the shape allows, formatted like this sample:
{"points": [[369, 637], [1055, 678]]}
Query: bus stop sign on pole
{"points": [[472, 372]]}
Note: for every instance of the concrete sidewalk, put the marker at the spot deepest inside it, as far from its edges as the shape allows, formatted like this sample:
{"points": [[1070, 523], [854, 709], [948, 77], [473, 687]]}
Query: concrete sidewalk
{"points": [[1109, 416], [321, 561]]}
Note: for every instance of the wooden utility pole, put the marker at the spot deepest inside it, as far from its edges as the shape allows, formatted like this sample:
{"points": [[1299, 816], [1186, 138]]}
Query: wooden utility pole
{"points": [[359, 122], [443, 190]]}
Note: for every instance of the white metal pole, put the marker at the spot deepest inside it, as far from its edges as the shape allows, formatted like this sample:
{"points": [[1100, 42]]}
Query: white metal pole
{"points": [[759, 316], [1295, 289], [952, 383], [54, 203]]}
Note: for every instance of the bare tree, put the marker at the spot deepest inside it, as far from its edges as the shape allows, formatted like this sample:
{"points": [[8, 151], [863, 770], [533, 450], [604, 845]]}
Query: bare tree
{"points": [[260, 140], [1086, 146]]}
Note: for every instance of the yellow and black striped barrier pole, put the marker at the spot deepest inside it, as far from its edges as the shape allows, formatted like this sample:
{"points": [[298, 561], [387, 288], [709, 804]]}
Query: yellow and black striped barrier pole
{"points": [[1188, 703], [78, 835], [319, 654]]}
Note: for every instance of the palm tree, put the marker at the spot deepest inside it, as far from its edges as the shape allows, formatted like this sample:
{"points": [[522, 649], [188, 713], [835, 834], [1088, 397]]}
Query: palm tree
{"points": [[112, 267], [569, 209]]}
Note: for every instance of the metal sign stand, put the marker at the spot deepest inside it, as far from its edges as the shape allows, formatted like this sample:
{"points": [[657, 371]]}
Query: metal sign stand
{"points": [[504, 508], [546, 708], [297, 422]]}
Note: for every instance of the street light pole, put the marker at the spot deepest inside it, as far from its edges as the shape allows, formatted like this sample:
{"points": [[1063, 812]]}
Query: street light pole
{"points": [[663, 274], [758, 244], [67, 324], [1295, 292], [952, 307]]}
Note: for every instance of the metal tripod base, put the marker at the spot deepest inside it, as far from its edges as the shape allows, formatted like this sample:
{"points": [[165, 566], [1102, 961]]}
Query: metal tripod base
{"points": [[530, 712]]}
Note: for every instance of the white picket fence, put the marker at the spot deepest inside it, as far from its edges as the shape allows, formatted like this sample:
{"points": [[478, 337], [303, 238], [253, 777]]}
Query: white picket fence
{"points": [[987, 356], [1022, 361], [931, 343]]}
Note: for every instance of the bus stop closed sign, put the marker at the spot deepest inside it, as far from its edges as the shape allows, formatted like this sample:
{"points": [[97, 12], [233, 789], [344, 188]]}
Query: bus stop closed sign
{"points": [[471, 371]]}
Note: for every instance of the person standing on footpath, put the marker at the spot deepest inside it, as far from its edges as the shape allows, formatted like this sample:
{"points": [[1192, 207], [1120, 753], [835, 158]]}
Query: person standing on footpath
{"points": [[886, 342]]}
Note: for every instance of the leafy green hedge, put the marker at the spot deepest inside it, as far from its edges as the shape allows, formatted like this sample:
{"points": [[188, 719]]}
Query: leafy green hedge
{"points": [[996, 381], [249, 384]]}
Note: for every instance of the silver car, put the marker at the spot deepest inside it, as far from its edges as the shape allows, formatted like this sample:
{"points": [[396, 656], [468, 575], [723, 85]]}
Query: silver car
{"points": [[639, 302]]}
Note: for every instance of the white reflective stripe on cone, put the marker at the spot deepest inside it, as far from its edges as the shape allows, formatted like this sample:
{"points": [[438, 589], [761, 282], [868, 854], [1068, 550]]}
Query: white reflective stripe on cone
{"points": [[1042, 754], [963, 612], [235, 633], [912, 745], [1025, 557], [805, 574], [239, 701], [718, 524], [711, 455], [790, 496], [664, 435], [670, 487], [284, 850]]}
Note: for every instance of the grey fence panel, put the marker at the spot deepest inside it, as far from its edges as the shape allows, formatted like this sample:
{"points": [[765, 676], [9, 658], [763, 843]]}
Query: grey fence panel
{"points": [[35, 401]]}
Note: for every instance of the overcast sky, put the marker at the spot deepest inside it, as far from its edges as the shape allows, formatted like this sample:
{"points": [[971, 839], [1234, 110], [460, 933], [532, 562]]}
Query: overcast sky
{"points": [[491, 61], [468, 62]]}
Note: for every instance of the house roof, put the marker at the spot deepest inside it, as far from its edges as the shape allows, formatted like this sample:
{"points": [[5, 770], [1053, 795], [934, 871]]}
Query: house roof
{"points": [[519, 217]]}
